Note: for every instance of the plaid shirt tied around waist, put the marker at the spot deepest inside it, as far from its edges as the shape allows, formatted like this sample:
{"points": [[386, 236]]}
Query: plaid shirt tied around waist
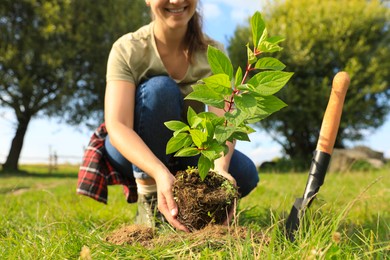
{"points": [[96, 172]]}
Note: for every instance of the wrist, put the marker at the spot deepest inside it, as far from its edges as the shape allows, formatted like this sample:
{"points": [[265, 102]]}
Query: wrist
{"points": [[221, 165], [156, 170], [161, 174]]}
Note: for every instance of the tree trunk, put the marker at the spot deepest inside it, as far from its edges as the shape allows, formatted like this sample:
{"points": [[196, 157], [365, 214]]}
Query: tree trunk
{"points": [[300, 150], [11, 164]]}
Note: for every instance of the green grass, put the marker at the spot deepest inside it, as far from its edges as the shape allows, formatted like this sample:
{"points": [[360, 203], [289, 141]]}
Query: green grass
{"points": [[43, 218]]}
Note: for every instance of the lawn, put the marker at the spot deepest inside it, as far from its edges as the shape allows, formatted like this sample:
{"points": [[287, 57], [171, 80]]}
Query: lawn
{"points": [[43, 218]]}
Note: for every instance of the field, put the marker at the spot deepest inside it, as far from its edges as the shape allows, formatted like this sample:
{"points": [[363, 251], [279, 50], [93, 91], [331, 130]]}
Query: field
{"points": [[43, 218]]}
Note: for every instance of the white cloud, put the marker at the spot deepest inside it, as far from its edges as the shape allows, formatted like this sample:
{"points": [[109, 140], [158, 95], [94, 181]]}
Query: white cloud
{"points": [[240, 16], [239, 10], [248, 4], [212, 11]]}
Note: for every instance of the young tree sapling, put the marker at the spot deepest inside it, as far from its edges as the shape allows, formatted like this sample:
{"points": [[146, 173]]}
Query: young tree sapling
{"points": [[245, 100]]}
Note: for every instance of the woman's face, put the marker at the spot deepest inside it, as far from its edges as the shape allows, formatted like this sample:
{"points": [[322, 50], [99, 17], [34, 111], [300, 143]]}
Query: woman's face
{"points": [[172, 13]]}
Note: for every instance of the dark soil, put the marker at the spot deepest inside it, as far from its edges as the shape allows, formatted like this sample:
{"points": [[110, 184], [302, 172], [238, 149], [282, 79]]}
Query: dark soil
{"points": [[212, 235], [201, 203], [131, 235], [203, 206]]}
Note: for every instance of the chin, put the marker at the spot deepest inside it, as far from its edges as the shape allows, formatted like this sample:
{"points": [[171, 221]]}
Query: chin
{"points": [[177, 25]]}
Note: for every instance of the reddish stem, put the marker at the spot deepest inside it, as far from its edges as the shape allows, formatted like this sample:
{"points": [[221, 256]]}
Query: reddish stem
{"points": [[248, 68], [236, 91]]}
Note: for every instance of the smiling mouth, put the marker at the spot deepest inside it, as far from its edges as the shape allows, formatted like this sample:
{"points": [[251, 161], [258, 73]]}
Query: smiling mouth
{"points": [[176, 11]]}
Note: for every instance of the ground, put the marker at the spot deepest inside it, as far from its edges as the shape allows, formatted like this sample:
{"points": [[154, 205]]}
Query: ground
{"points": [[213, 234]]}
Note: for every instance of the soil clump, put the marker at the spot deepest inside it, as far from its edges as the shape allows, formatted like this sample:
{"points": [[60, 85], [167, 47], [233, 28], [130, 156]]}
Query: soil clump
{"points": [[203, 202], [214, 235]]}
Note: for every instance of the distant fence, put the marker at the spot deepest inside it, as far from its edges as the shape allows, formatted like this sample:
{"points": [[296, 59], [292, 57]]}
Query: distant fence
{"points": [[52, 160]]}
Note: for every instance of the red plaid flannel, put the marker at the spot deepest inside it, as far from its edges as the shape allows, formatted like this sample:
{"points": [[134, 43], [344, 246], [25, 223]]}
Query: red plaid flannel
{"points": [[96, 172]]}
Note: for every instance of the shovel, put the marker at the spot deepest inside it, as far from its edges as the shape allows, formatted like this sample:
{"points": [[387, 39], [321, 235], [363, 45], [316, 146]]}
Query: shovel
{"points": [[322, 154]]}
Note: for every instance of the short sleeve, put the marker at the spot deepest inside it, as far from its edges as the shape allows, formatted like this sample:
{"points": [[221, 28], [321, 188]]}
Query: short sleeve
{"points": [[118, 67]]}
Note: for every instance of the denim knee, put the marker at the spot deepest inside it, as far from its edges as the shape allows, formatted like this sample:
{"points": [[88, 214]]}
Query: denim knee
{"points": [[244, 171], [158, 100], [251, 180], [161, 92], [117, 160], [120, 163]]}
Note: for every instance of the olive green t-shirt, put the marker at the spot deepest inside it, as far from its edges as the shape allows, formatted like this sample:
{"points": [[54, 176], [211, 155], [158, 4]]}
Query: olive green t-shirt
{"points": [[134, 57]]}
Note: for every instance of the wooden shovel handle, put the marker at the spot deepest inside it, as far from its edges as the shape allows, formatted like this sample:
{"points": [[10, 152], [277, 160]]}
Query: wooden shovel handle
{"points": [[331, 121]]}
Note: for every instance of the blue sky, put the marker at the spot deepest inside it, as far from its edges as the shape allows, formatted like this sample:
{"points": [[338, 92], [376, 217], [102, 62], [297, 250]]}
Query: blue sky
{"points": [[220, 19]]}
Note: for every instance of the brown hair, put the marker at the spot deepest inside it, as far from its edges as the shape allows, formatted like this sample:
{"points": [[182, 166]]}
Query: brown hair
{"points": [[195, 38]]}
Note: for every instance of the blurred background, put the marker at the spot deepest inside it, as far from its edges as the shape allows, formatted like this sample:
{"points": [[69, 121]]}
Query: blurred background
{"points": [[53, 60]]}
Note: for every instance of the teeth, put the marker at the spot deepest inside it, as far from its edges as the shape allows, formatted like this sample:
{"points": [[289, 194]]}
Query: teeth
{"points": [[176, 10]]}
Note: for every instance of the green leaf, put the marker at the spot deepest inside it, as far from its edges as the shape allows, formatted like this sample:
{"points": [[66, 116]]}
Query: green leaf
{"points": [[219, 62], [209, 128], [218, 148], [204, 166], [266, 106], [245, 87], [269, 63], [270, 104], [251, 56], [198, 121], [269, 82], [198, 137], [176, 125], [246, 103], [218, 121], [258, 26], [208, 116], [187, 152], [236, 117], [263, 39], [260, 115], [238, 78], [223, 133], [193, 119], [249, 129], [176, 143], [220, 83], [269, 47], [242, 136], [188, 141], [210, 154], [191, 115], [275, 39], [210, 121], [203, 93]]}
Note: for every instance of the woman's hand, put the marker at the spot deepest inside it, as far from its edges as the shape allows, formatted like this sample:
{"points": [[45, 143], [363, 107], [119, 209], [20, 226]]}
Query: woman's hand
{"points": [[166, 204], [232, 211], [227, 176]]}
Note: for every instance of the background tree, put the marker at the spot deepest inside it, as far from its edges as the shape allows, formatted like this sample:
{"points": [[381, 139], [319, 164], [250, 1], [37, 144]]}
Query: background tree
{"points": [[53, 58], [96, 25], [322, 38]]}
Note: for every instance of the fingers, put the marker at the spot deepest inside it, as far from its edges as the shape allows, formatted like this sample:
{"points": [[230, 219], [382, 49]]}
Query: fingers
{"points": [[232, 211], [231, 214], [232, 180], [167, 206], [228, 176], [171, 203], [166, 203]]}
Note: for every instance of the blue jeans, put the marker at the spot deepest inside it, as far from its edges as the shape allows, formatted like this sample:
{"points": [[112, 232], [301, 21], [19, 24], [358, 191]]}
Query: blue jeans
{"points": [[159, 100]]}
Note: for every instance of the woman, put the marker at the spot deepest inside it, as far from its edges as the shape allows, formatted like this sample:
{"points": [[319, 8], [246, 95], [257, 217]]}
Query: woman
{"points": [[148, 74]]}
